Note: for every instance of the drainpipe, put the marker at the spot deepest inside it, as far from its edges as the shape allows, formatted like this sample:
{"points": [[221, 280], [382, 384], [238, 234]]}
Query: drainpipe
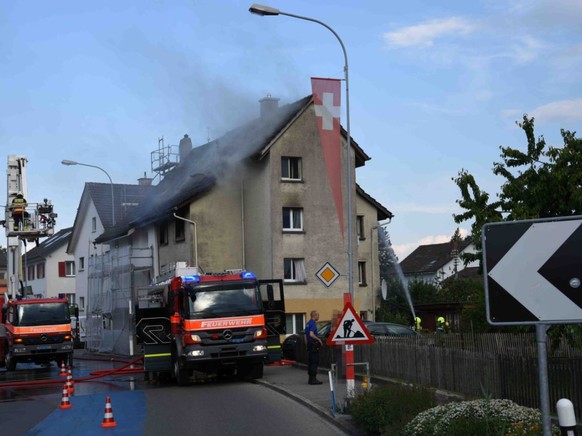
{"points": [[195, 237], [372, 278]]}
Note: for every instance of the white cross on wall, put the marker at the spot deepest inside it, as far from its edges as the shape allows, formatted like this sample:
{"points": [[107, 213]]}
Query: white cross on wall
{"points": [[327, 111]]}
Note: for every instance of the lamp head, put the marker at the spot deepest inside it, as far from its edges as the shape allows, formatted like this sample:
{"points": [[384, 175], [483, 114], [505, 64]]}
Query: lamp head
{"points": [[69, 162], [263, 10]]}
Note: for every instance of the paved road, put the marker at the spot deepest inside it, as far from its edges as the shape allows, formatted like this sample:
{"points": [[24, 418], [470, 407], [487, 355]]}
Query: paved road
{"points": [[142, 408]]}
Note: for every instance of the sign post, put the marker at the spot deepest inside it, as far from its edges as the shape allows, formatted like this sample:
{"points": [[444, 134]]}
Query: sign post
{"points": [[349, 330], [532, 271]]}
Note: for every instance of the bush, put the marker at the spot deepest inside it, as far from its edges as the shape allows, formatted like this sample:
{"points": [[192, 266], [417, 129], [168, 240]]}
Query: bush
{"points": [[486, 417], [386, 409]]}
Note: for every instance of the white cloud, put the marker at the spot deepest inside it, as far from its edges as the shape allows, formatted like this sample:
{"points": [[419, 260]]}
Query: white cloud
{"points": [[557, 111], [426, 33]]}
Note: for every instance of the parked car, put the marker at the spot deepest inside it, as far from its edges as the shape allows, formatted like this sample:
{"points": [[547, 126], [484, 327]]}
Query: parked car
{"points": [[389, 329], [289, 345]]}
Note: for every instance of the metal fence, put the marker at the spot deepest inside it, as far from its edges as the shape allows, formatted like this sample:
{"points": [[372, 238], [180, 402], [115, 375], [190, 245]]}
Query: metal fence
{"points": [[501, 365]]}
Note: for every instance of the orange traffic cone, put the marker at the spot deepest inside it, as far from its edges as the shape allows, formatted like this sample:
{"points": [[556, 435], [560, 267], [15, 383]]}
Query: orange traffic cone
{"points": [[65, 403], [63, 372], [108, 420]]}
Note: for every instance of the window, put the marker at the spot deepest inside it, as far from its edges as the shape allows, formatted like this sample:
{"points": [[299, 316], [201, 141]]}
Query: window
{"points": [[292, 218], [81, 263], [40, 270], [163, 234], [81, 303], [180, 226], [67, 269], [362, 273], [93, 224], [30, 272], [360, 227], [291, 168], [294, 322], [294, 270]]}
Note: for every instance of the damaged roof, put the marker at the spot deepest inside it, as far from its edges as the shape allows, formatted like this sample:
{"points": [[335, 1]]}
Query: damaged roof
{"points": [[198, 172]]}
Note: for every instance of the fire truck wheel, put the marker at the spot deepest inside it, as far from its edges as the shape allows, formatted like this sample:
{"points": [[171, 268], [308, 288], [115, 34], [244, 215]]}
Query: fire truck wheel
{"points": [[10, 362], [181, 374]]}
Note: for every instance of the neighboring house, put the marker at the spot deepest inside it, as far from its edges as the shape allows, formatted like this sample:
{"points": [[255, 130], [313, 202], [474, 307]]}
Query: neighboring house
{"points": [[257, 198], [3, 272], [436, 262], [48, 270], [94, 215]]}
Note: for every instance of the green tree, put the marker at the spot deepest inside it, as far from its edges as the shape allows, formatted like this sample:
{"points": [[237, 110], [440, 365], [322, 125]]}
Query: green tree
{"points": [[541, 182]]}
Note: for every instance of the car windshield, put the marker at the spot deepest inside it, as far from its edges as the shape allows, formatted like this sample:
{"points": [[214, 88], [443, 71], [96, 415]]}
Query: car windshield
{"points": [[43, 314], [224, 300]]}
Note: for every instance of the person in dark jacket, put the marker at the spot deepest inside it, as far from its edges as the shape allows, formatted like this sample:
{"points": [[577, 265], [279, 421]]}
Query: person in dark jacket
{"points": [[313, 343]]}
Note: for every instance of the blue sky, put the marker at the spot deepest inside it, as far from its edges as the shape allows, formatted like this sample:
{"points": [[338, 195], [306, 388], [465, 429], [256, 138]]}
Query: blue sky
{"points": [[435, 87]]}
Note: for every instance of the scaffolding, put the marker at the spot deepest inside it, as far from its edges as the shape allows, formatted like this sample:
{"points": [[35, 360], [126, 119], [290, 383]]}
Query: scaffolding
{"points": [[112, 292]]}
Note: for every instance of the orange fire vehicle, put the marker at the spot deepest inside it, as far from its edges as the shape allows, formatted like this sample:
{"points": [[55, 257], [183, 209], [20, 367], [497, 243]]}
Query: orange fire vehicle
{"points": [[224, 324], [36, 330]]}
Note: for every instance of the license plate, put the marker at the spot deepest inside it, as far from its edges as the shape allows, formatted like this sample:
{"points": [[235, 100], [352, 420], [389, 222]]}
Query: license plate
{"points": [[44, 347], [237, 341]]}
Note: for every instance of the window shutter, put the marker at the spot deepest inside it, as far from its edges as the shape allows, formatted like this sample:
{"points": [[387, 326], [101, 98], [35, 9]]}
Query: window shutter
{"points": [[62, 269]]}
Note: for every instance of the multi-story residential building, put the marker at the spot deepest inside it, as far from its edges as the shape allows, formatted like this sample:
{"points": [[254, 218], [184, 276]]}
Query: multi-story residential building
{"points": [[48, 270], [257, 198]]}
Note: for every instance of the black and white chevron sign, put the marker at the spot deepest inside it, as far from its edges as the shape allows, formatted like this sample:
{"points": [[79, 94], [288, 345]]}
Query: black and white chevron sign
{"points": [[533, 271]]}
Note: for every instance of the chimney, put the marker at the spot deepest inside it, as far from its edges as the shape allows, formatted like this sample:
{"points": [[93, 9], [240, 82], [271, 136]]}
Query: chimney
{"points": [[185, 147], [268, 105], [144, 181]]}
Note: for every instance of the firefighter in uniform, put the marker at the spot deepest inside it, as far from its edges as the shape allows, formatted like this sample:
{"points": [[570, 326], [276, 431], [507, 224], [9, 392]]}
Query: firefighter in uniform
{"points": [[18, 211], [440, 324]]}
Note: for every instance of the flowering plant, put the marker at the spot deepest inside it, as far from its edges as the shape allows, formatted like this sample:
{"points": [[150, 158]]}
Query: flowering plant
{"points": [[489, 416]]}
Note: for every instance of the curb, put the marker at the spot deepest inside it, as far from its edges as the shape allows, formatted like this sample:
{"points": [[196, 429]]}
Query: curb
{"points": [[343, 423]]}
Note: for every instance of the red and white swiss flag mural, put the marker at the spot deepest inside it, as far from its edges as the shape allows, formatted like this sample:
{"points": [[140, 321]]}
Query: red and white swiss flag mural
{"points": [[326, 98]]}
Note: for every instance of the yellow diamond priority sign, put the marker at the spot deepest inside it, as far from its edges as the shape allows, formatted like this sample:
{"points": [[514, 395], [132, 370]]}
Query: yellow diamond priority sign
{"points": [[327, 274]]}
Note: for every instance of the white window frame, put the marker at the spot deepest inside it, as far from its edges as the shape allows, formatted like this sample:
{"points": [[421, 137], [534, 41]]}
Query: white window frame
{"points": [[362, 273], [294, 323], [294, 218], [93, 225], [294, 270], [291, 168], [69, 268]]}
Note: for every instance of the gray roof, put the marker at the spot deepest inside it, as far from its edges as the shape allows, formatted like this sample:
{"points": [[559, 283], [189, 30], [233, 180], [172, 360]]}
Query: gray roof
{"points": [[428, 259]]}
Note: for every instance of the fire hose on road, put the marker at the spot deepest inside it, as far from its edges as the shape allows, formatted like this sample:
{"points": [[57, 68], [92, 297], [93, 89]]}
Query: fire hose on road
{"points": [[122, 370]]}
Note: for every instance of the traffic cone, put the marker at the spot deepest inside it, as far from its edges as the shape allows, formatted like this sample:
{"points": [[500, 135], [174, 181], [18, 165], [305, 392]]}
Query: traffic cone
{"points": [[65, 403], [69, 384], [63, 372], [108, 420], [70, 374]]}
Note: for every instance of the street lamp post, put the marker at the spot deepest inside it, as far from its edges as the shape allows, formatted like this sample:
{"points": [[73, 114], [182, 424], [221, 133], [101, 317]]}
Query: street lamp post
{"points": [[269, 11], [72, 162]]}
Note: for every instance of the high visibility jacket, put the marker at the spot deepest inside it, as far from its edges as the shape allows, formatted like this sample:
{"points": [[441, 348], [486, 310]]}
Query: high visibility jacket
{"points": [[18, 206]]}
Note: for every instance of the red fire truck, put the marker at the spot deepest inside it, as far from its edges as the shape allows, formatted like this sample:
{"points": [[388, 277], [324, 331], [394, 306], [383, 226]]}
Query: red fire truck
{"points": [[224, 324], [36, 330]]}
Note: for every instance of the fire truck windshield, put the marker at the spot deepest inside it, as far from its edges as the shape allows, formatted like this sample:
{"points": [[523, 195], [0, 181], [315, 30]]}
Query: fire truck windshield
{"points": [[224, 300], [43, 314]]}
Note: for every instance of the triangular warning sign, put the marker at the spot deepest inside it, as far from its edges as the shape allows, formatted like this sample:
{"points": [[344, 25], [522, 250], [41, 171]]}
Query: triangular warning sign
{"points": [[350, 329]]}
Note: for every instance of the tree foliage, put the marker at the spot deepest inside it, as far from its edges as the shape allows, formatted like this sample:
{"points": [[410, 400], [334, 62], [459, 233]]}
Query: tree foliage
{"points": [[541, 182]]}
